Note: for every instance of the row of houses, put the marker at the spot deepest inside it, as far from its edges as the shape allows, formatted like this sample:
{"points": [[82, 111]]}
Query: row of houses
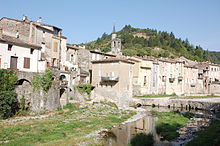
{"points": [[32, 46]]}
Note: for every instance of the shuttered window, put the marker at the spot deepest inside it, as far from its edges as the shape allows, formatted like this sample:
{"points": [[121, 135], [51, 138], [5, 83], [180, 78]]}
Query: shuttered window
{"points": [[26, 62], [55, 46]]}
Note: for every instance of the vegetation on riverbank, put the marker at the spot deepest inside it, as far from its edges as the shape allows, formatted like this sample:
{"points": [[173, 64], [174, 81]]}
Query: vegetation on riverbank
{"points": [[195, 97], [8, 97], [64, 127], [208, 137], [156, 96], [169, 122], [142, 139]]}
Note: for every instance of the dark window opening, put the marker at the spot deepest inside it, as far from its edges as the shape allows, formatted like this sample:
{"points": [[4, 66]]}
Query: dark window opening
{"points": [[56, 31], [32, 51], [9, 47]]}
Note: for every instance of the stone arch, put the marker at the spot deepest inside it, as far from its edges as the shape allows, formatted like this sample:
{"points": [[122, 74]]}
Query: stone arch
{"points": [[23, 88], [22, 81], [62, 77]]}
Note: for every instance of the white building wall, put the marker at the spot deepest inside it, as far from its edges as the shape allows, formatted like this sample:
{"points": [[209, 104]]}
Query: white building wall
{"points": [[19, 52]]}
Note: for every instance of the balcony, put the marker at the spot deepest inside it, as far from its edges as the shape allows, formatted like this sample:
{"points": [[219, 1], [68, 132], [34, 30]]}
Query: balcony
{"points": [[193, 85], [171, 80], [180, 78], [113, 79]]}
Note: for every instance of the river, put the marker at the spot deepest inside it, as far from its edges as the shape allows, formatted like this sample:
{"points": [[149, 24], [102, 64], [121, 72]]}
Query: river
{"points": [[123, 133]]}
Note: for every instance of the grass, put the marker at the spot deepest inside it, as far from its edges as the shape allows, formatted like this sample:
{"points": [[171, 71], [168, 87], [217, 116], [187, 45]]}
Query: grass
{"points": [[208, 137], [65, 127], [195, 97], [168, 124], [156, 96]]}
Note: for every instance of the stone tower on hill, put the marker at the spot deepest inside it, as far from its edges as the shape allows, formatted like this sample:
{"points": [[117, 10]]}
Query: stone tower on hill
{"points": [[116, 43]]}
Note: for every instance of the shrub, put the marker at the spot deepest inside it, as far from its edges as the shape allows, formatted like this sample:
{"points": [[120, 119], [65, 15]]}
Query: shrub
{"points": [[8, 79], [8, 104], [43, 81], [87, 88], [142, 139]]}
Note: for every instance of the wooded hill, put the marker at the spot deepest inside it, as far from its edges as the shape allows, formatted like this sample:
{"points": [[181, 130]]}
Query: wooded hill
{"points": [[150, 42]]}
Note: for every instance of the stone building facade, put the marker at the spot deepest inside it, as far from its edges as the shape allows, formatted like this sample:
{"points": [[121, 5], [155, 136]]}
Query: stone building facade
{"points": [[112, 79], [47, 36]]}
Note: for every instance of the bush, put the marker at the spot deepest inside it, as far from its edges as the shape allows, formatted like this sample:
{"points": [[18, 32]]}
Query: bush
{"points": [[43, 81], [85, 88], [8, 79], [142, 139], [8, 104]]}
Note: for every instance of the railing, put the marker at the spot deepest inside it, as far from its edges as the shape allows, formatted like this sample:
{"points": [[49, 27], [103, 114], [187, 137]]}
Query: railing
{"points": [[171, 80], [116, 79], [180, 78]]}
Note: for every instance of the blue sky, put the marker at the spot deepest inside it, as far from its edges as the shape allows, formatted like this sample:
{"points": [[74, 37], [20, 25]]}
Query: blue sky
{"points": [[85, 20]]}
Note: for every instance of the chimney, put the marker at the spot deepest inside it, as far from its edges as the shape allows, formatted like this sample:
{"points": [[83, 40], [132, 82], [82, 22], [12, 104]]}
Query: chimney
{"points": [[39, 20], [24, 18]]}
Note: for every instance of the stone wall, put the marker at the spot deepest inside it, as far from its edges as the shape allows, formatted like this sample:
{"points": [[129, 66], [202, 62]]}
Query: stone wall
{"points": [[205, 104], [122, 100], [38, 100], [214, 88]]}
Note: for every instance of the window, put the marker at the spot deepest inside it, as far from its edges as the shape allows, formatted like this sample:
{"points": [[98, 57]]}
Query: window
{"points": [[145, 80], [56, 31], [31, 51], [9, 47], [14, 62], [55, 46], [26, 62], [43, 34]]}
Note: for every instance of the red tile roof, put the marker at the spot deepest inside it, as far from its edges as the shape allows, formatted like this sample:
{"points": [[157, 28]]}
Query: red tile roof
{"points": [[113, 60], [16, 41]]}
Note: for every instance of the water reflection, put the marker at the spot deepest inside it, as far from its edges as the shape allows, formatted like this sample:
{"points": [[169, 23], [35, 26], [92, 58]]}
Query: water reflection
{"points": [[121, 135]]}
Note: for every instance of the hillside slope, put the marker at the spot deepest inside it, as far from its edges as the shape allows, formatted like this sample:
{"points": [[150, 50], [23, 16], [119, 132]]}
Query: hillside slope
{"points": [[141, 42]]}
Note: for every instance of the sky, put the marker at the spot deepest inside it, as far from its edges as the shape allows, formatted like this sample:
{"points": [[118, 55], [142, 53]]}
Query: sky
{"points": [[85, 20]]}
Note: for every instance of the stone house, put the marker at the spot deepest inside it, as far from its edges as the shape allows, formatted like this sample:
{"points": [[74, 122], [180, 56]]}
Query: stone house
{"points": [[141, 75], [47, 36], [112, 79], [18, 55], [192, 83], [170, 76]]}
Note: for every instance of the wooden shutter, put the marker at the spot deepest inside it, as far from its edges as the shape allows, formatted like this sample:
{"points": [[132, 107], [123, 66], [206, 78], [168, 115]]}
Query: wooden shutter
{"points": [[26, 62], [13, 63]]}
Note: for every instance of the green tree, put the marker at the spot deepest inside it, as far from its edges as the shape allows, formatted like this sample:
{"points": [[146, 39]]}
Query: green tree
{"points": [[129, 52], [8, 98], [105, 49], [8, 79], [8, 104]]}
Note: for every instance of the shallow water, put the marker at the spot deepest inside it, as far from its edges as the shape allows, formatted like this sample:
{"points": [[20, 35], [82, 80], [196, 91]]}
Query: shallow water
{"points": [[123, 133]]}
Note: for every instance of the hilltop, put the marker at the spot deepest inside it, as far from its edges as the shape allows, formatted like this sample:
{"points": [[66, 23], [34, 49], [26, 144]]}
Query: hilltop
{"points": [[141, 42]]}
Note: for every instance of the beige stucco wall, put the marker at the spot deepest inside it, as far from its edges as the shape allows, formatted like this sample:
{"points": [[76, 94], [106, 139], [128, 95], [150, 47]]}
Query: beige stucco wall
{"points": [[170, 70], [141, 76], [118, 90]]}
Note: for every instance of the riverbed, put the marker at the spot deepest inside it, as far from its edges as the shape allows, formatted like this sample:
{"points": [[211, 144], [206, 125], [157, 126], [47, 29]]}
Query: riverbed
{"points": [[123, 133]]}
